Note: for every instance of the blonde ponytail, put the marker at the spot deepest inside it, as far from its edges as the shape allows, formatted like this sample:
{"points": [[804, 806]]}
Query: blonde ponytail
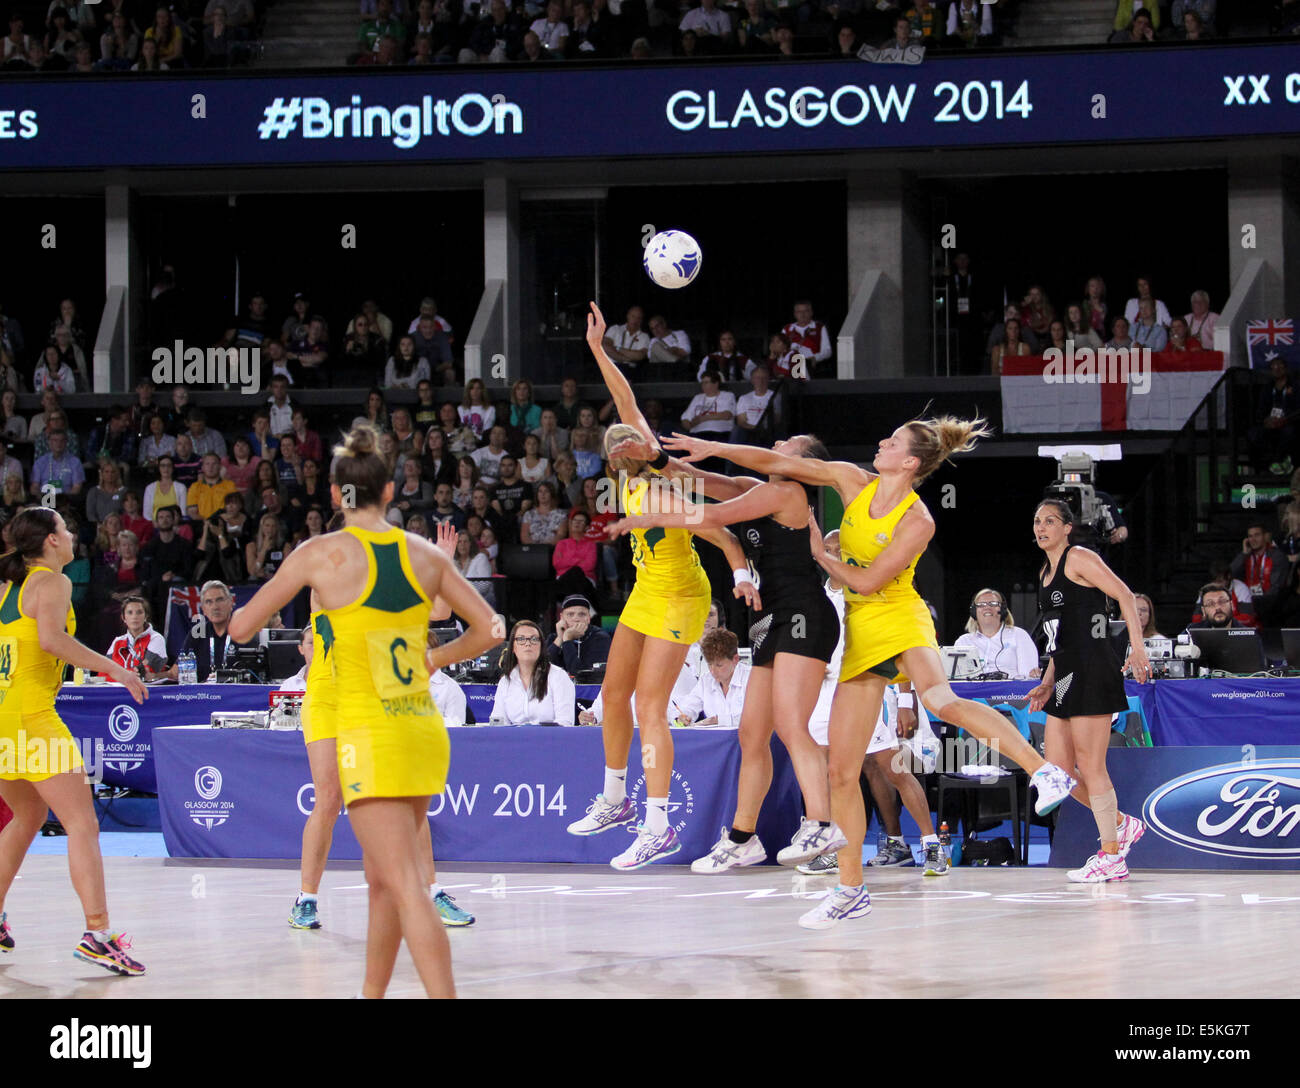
{"points": [[936, 439]]}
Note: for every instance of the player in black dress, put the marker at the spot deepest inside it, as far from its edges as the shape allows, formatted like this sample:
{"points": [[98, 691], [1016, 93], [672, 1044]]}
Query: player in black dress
{"points": [[792, 638], [1083, 686]]}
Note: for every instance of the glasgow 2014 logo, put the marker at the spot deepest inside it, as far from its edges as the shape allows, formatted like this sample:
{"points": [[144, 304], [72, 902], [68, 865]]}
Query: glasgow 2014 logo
{"points": [[1235, 810], [208, 811]]}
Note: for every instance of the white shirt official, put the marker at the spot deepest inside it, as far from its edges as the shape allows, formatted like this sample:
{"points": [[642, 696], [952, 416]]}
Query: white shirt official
{"points": [[448, 697], [514, 703], [752, 406], [708, 696], [723, 402], [628, 341], [1011, 651]]}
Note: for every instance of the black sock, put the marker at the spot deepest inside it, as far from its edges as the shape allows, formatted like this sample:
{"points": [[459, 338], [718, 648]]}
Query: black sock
{"points": [[823, 823], [739, 836]]}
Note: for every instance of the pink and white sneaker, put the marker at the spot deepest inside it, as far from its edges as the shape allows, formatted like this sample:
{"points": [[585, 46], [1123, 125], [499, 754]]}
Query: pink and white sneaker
{"points": [[1100, 868], [110, 954], [1128, 833]]}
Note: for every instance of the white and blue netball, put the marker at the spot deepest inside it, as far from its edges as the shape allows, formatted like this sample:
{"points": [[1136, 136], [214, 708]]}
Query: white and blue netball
{"points": [[672, 259]]}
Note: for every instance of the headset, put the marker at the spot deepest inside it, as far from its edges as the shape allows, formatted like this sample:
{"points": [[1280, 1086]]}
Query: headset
{"points": [[1002, 605]]}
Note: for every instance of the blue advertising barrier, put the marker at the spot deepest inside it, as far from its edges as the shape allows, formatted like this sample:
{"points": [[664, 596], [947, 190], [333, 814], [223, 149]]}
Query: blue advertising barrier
{"points": [[511, 792], [454, 113], [1205, 808]]}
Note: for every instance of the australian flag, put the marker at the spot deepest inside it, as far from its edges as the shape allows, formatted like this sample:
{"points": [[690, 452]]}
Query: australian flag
{"points": [[1274, 339]]}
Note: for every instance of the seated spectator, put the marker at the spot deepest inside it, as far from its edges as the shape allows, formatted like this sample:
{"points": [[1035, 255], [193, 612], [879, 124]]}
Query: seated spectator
{"points": [[127, 569], [999, 644], [167, 36], [165, 491], [809, 336], [273, 503], [295, 325], [1037, 313], [534, 467], [288, 466], [925, 22], [423, 50], [720, 693], [384, 23], [266, 475], [251, 328], [208, 494], [489, 457], [410, 442], [18, 45], [12, 425], [844, 42], [458, 437], [589, 36], [140, 648], [1078, 329], [756, 30], [1012, 346], [444, 509], [578, 644], [311, 355], [10, 379], [53, 373], [628, 345], [641, 50], [711, 411], [1216, 609], [376, 412], [306, 648], [552, 440], [106, 496], [265, 552], [473, 564], [239, 13], [575, 557], [413, 496], [1147, 332], [58, 469], [1056, 337], [587, 443], [202, 437], [902, 39], [467, 477], [437, 463], [83, 60], [178, 414], [222, 538], [1264, 569], [544, 522], [1201, 321], [755, 414], [213, 648], [552, 31], [730, 364], [782, 358], [970, 23], [567, 481], [1127, 10], [532, 690], [1146, 611], [61, 37], [1204, 10], [1137, 32], [708, 21], [313, 492], [13, 498], [133, 517], [365, 352], [380, 322], [1243, 601], [495, 38], [566, 412], [1159, 309], [532, 49], [1120, 334], [72, 355], [524, 414], [241, 467], [221, 40], [156, 444], [1180, 339], [511, 496], [1192, 29], [404, 369], [57, 420], [446, 694], [475, 410]]}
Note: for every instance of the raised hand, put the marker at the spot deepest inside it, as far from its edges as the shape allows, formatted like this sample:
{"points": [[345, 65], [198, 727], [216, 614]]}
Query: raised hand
{"points": [[694, 449], [446, 539], [595, 328], [638, 448]]}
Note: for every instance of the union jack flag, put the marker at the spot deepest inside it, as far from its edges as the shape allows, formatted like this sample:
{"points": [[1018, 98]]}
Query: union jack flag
{"points": [[188, 596], [1270, 332]]}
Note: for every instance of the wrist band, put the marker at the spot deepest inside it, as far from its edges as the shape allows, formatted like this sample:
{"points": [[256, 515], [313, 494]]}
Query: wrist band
{"points": [[660, 462], [905, 701], [740, 577]]}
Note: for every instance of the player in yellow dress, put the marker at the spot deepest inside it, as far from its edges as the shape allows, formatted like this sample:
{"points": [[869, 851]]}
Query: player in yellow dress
{"points": [[40, 767], [664, 615], [889, 634], [392, 745]]}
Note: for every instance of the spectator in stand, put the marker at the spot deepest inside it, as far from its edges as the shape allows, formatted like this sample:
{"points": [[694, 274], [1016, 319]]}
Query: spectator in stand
{"points": [[221, 543], [730, 365], [18, 45], [552, 439], [410, 442], [288, 465], [157, 443], [208, 495], [754, 423], [376, 414], [72, 355], [311, 354], [444, 508], [1013, 345], [83, 60], [1201, 321], [467, 476], [1056, 337], [1215, 608], [589, 38], [534, 467], [524, 414], [294, 326], [13, 499], [165, 491], [1095, 309], [437, 463], [1037, 313], [53, 373], [1126, 11], [279, 408], [1264, 569], [57, 420], [134, 519], [58, 468], [365, 353], [511, 497], [495, 38], [204, 440], [61, 37], [925, 22], [10, 379], [970, 23], [148, 58], [473, 564], [167, 35], [711, 411], [578, 644], [575, 557], [1273, 437], [1204, 10], [106, 496], [13, 427], [68, 319], [1146, 610], [1119, 337], [426, 409], [670, 349], [429, 308], [1180, 339], [1160, 310], [756, 30], [384, 23], [543, 522], [431, 343], [39, 60], [552, 31], [567, 480], [808, 336], [475, 411], [532, 690], [999, 644], [627, 344], [413, 496], [260, 438], [140, 648], [711, 24], [844, 43], [220, 40], [782, 358], [566, 412], [1078, 329], [532, 49], [1192, 29], [1146, 331], [586, 443], [489, 457]]}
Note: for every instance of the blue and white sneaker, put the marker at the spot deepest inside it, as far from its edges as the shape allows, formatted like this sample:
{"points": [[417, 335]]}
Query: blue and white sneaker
{"points": [[811, 841], [450, 912], [839, 904], [303, 915], [1054, 786], [891, 853], [647, 848], [601, 816]]}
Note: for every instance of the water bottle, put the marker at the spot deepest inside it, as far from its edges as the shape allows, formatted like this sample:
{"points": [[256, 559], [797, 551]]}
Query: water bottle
{"points": [[187, 670], [945, 841]]}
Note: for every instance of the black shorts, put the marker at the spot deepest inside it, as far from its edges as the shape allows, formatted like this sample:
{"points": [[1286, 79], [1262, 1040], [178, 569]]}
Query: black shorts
{"points": [[812, 631], [1086, 685]]}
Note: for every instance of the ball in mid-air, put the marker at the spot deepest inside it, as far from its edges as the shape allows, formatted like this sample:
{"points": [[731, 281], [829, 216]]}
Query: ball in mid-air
{"points": [[672, 258]]}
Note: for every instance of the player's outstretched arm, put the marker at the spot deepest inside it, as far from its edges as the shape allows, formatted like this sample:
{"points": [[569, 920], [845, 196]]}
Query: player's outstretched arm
{"points": [[615, 381]]}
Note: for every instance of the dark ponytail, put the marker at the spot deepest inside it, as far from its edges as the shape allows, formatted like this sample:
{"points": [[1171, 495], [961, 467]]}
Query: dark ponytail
{"points": [[27, 531]]}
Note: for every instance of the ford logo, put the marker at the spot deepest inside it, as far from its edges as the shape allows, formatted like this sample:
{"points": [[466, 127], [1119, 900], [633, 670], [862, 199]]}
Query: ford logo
{"points": [[1239, 810]]}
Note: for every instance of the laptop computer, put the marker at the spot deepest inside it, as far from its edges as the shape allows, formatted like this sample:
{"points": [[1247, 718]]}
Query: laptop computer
{"points": [[1229, 649]]}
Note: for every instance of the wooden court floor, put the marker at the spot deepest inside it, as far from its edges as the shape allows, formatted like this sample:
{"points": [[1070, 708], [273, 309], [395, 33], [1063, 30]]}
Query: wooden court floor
{"points": [[220, 930]]}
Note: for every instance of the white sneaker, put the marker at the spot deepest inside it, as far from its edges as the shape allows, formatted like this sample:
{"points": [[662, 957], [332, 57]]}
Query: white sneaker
{"points": [[1128, 833], [839, 904], [647, 847], [810, 841], [730, 855], [1053, 785], [1099, 868], [601, 816]]}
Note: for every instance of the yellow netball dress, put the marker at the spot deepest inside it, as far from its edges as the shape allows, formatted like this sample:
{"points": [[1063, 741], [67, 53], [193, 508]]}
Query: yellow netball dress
{"points": [[880, 625], [391, 738], [29, 681], [319, 706], [671, 597]]}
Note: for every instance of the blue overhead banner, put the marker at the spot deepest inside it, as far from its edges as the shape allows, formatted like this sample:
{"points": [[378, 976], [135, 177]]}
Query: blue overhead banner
{"points": [[461, 114]]}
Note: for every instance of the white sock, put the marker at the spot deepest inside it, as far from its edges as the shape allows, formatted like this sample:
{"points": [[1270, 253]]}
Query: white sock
{"points": [[303, 897], [435, 890], [656, 815], [101, 935], [615, 791], [926, 840]]}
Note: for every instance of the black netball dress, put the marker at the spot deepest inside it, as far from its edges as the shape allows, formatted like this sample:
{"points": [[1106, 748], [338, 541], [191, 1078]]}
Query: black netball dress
{"points": [[1088, 679], [797, 616]]}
